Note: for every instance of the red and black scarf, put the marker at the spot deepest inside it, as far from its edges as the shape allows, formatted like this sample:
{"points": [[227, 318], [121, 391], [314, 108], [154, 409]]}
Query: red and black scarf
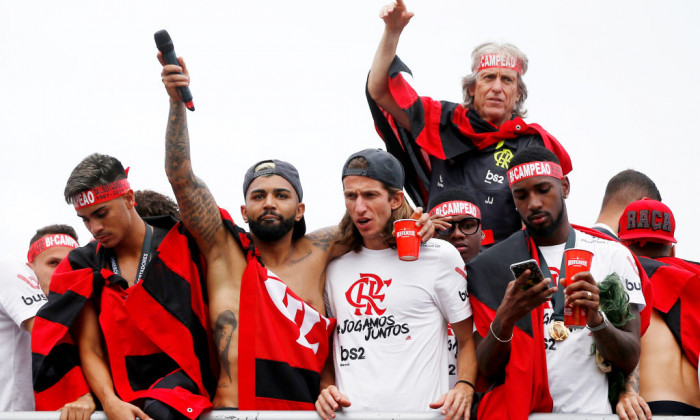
{"points": [[283, 342], [525, 388], [175, 366], [676, 297]]}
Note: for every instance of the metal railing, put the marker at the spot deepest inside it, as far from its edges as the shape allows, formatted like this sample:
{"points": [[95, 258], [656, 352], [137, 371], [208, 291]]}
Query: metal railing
{"points": [[311, 415]]}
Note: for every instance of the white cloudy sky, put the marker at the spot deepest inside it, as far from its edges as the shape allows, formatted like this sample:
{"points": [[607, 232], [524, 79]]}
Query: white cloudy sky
{"points": [[616, 82]]}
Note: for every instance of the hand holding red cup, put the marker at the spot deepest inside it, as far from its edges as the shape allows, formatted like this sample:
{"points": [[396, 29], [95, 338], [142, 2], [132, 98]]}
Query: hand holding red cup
{"points": [[407, 239], [577, 261]]}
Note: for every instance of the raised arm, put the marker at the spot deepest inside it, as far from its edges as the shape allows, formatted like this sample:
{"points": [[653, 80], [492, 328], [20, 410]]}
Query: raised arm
{"points": [[198, 209], [200, 215], [395, 17]]}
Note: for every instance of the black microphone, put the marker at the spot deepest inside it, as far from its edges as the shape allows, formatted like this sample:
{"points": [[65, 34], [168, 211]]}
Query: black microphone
{"points": [[165, 46]]}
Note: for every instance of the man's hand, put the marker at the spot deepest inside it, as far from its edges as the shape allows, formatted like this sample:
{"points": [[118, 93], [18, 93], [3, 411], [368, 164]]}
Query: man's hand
{"points": [[456, 403], [518, 300], [329, 401], [424, 222], [80, 409], [584, 292], [441, 222], [117, 409], [631, 406], [174, 77], [395, 16]]}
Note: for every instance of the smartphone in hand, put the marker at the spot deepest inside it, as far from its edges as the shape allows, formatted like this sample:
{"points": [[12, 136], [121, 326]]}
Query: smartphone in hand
{"points": [[535, 276]]}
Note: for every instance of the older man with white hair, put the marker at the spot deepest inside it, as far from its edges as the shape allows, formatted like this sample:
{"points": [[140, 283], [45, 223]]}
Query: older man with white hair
{"points": [[443, 144]]}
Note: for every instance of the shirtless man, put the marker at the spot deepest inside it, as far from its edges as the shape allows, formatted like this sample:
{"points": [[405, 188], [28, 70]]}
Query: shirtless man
{"points": [[668, 376], [274, 209]]}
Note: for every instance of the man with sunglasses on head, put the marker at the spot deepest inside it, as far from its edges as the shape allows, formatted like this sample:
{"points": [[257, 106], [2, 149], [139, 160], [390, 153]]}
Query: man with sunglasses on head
{"points": [[456, 206]]}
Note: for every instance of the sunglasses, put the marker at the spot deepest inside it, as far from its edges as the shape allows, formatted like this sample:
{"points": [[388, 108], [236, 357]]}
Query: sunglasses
{"points": [[468, 226]]}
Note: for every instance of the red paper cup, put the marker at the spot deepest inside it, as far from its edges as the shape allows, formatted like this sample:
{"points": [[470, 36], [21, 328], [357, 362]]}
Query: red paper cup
{"points": [[577, 261], [407, 239]]}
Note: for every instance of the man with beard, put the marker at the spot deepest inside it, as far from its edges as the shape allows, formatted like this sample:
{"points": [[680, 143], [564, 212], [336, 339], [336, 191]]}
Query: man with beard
{"points": [[269, 323], [512, 319]]}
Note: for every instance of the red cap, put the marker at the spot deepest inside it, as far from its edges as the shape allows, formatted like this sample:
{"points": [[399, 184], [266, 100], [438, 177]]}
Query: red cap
{"points": [[647, 220]]}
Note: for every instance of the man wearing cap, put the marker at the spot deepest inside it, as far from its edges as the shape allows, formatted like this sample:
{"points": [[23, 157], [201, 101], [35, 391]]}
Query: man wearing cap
{"points": [[389, 349], [464, 233], [622, 189], [269, 321], [443, 144], [511, 319], [668, 376], [133, 300], [22, 295], [273, 348]]}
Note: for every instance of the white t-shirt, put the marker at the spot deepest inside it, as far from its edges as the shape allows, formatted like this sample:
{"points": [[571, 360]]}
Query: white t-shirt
{"points": [[389, 347], [20, 299], [575, 382], [451, 358]]}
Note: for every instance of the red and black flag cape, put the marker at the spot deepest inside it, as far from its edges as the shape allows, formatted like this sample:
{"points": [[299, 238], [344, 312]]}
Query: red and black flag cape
{"points": [[451, 145], [525, 388], [282, 342], [169, 354], [677, 298], [684, 264]]}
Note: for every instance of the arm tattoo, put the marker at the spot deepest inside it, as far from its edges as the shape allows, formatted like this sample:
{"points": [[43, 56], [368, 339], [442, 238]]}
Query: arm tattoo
{"points": [[632, 384], [226, 324], [197, 205], [322, 238]]}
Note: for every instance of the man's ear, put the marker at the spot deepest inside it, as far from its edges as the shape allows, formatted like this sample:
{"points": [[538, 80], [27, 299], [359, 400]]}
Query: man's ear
{"points": [[565, 186], [244, 213], [129, 199], [397, 200], [301, 208]]}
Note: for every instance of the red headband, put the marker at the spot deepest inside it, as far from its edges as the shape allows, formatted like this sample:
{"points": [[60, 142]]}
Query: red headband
{"points": [[456, 208], [100, 194], [530, 169], [489, 61], [50, 241]]}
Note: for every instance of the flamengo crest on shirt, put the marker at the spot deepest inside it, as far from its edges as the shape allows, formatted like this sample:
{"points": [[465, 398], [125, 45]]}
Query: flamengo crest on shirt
{"points": [[366, 293], [279, 294]]}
